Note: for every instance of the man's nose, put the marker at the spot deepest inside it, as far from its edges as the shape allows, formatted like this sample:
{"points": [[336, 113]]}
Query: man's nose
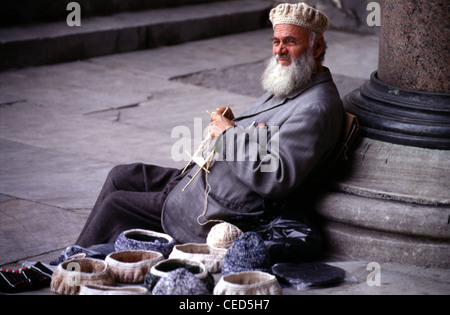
{"points": [[281, 49]]}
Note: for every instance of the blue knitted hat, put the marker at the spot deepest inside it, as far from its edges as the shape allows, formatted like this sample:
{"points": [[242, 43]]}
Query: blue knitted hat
{"points": [[139, 239], [247, 253]]}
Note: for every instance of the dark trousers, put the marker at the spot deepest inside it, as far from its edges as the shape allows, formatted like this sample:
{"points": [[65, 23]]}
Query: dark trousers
{"points": [[132, 197]]}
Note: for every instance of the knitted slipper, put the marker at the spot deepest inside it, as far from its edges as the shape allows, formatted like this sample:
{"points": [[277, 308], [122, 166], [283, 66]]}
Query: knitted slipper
{"points": [[161, 270], [138, 239], [211, 257], [97, 289], [131, 266], [29, 278], [70, 275], [248, 283]]}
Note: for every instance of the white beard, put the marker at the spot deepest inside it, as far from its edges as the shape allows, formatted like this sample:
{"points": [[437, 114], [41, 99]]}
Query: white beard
{"points": [[282, 80]]}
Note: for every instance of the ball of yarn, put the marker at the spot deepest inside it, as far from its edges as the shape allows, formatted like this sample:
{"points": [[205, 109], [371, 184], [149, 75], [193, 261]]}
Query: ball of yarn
{"points": [[222, 235]]}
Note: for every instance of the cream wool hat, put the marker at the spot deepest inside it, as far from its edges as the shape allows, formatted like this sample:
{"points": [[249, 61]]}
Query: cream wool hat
{"points": [[131, 266], [211, 257], [299, 14], [248, 283], [68, 276], [97, 289]]}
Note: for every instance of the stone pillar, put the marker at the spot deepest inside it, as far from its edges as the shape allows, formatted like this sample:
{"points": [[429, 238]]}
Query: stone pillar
{"points": [[391, 201], [414, 51]]}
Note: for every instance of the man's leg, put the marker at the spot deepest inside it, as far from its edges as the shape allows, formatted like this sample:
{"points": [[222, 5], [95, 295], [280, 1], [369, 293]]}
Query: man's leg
{"points": [[132, 197]]}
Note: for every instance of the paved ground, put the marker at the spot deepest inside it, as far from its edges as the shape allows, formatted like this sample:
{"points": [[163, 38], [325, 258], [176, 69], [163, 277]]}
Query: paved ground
{"points": [[62, 127]]}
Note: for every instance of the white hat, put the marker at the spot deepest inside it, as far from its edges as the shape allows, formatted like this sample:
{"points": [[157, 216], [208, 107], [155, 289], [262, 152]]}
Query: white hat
{"points": [[299, 14]]}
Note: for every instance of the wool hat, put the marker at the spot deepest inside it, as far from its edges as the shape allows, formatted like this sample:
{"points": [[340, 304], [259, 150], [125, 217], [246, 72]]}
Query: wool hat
{"points": [[131, 266], [76, 251], [180, 282], [247, 253], [222, 235], [162, 269], [248, 283], [97, 289], [138, 239], [299, 14], [70, 275], [211, 257]]}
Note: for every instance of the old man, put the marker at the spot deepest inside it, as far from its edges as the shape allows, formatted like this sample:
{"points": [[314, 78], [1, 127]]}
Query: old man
{"points": [[301, 117]]}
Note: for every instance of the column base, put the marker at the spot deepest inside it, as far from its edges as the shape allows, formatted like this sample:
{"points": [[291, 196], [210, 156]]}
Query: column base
{"points": [[399, 116], [390, 203]]}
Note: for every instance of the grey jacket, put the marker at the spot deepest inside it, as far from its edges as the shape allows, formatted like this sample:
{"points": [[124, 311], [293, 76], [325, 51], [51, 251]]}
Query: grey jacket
{"points": [[253, 164]]}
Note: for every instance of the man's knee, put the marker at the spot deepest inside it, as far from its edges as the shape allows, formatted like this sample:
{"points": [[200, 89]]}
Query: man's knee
{"points": [[122, 172]]}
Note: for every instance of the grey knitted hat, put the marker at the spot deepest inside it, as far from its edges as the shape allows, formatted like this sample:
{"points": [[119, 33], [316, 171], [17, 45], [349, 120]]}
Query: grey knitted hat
{"points": [[162, 269], [247, 253], [180, 282]]}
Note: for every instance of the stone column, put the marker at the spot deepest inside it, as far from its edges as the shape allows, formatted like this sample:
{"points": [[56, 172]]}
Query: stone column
{"points": [[414, 51], [391, 201]]}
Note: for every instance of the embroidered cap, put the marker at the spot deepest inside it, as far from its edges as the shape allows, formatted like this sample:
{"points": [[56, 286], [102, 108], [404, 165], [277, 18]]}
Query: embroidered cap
{"points": [[299, 14]]}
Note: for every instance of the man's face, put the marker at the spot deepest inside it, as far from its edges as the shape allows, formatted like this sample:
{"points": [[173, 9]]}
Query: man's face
{"points": [[289, 41]]}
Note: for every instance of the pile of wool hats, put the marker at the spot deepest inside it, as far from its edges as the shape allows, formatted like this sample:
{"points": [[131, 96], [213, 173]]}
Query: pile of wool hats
{"points": [[135, 253], [155, 264]]}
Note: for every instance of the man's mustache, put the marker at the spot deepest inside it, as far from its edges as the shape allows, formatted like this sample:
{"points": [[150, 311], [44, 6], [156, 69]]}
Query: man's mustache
{"points": [[284, 56]]}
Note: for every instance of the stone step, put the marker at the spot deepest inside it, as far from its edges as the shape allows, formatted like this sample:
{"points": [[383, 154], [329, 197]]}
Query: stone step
{"points": [[32, 11], [54, 42]]}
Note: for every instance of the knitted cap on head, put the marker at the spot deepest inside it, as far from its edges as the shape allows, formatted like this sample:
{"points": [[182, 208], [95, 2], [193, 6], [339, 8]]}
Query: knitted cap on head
{"points": [[299, 14], [180, 282], [247, 253]]}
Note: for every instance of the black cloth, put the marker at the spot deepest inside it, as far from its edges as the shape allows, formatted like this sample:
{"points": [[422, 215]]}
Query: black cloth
{"points": [[132, 197]]}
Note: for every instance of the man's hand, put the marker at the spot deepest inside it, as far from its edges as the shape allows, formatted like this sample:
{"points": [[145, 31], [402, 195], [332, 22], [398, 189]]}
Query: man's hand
{"points": [[220, 121]]}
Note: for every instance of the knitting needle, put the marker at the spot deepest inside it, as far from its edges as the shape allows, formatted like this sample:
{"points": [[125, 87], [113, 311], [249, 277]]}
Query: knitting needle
{"points": [[223, 114], [190, 161], [192, 179], [199, 170]]}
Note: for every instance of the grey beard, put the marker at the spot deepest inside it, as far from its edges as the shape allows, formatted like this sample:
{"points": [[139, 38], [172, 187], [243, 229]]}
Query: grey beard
{"points": [[282, 80]]}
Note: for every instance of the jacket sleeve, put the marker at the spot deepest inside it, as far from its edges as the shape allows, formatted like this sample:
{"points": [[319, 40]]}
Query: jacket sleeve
{"points": [[273, 161]]}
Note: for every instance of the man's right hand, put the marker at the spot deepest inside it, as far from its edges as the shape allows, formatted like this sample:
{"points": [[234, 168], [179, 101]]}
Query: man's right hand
{"points": [[228, 114]]}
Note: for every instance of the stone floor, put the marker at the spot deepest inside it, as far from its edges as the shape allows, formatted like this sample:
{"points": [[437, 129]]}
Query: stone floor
{"points": [[63, 126]]}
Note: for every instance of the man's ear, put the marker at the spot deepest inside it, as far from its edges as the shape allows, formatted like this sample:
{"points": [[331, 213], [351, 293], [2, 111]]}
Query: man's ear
{"points": [[318, 46]]}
